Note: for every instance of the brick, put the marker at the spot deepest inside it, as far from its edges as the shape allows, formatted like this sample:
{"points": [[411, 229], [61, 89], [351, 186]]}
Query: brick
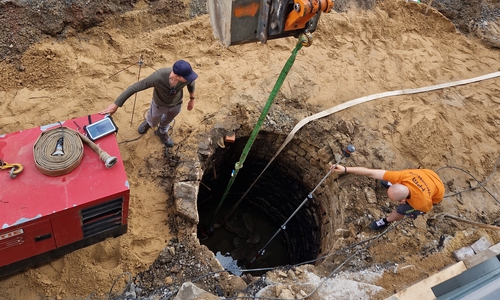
{"points": [[230, 137]]}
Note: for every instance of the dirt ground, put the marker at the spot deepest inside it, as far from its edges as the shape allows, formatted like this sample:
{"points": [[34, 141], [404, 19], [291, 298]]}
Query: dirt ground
{"points": [[359, 50]]}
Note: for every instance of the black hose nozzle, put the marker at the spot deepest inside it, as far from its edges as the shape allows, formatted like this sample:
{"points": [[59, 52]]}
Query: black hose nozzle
{"points": [[59, 147], [348, 151]]}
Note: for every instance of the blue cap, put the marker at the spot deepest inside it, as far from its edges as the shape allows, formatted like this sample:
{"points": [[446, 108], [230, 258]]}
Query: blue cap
{"points": [[183, 68]]}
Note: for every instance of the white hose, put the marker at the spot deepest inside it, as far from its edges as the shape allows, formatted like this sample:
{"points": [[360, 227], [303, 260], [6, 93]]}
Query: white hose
{"points": [[365, 99]]}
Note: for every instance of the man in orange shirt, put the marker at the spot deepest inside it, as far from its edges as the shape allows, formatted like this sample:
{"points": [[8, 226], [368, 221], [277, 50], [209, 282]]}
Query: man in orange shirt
{"points": [[415, 190]]}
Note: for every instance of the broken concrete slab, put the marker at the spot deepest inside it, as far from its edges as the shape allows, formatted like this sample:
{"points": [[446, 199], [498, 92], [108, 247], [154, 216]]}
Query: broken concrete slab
{"points": [[463, 253], [481, 245]]}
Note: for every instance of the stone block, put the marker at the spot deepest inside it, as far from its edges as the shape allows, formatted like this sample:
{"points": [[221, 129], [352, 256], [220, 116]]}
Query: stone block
{"points": [[185, 194], [346, 127], [370, 195], [342, 233], [189, 291], [463, 253], [286, 294], [481, 245], [299, 151], [421, 224], [478, 258], [301, 161], [189, 171]]}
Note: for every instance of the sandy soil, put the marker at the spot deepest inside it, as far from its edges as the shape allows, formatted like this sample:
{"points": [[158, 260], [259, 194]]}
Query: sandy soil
{"points": [[354, 54]]}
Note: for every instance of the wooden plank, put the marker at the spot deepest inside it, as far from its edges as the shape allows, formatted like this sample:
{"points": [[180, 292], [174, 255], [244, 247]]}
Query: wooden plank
{"points": [[422, 289], [495, 248]]}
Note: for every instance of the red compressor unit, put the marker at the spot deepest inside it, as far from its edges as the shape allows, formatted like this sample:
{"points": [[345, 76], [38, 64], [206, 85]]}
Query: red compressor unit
{"points": [[45, 216]]}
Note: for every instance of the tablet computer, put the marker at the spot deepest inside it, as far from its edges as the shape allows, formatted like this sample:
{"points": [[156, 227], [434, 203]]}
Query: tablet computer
{"points": [[100, 128]]}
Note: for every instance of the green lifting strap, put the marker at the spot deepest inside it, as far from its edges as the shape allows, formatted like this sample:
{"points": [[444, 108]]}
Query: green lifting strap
{"points": [[256, 129]]}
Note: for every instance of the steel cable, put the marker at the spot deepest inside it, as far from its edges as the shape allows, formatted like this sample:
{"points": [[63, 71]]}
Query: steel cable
{"points": [[480, 184]]}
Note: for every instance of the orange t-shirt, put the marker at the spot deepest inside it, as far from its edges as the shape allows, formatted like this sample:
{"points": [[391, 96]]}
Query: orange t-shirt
{"points": [[425, 187]]}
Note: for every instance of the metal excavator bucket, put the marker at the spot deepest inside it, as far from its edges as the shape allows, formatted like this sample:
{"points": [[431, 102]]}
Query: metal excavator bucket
{"points": [[244, 21]]}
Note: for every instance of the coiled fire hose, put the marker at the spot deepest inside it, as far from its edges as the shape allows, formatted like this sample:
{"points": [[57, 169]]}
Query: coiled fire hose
{"points": [[59, 151]]}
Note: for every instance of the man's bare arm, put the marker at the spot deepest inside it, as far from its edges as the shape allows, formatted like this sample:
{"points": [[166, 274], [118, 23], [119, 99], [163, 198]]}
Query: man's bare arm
{"points": [[373, 173]]}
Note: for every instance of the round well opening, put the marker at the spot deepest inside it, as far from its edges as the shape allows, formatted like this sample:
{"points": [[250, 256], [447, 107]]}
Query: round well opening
{"points": [[250, 233]]}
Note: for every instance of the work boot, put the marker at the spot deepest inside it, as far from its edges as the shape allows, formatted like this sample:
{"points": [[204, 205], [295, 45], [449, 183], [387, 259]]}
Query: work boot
{"points": [[144, 127], [379, 225], [165, 138]]}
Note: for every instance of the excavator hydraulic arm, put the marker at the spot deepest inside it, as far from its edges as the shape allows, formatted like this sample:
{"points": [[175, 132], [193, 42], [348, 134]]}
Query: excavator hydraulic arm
{"points": [[244, 21]]}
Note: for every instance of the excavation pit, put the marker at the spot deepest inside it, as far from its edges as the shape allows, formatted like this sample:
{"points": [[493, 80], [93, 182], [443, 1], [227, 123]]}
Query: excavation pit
{"points": [[237, 233]]}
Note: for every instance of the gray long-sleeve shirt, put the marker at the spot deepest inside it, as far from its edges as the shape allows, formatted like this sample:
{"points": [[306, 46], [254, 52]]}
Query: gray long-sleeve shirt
{"points": [[161, 89]]}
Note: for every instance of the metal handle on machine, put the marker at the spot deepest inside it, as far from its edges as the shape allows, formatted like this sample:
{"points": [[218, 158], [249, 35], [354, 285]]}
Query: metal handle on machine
{"points": [[43, 237]]}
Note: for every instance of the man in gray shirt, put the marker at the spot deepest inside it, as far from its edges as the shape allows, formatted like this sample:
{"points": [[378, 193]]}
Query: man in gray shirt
{"points": [[168, 85]]}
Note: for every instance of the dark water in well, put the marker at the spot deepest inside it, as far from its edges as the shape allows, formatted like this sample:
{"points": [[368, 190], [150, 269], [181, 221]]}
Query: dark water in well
{"points": [[243, 235]]}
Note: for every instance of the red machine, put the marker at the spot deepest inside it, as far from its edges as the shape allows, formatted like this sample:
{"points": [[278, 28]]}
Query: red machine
{"points": [[44, 217]]}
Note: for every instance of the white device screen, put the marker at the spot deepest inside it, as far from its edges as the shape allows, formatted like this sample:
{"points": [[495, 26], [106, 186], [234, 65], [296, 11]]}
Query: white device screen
{"points": [[100, 128]]}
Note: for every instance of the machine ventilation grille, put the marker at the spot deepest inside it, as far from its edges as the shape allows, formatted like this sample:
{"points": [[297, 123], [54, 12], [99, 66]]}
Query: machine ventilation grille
{"points": [[102, 217]]}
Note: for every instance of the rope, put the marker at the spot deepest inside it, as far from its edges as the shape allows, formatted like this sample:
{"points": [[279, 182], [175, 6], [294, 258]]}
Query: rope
{"points": [[365, 99], [71, 152], [309, 196], [267, 106]]}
